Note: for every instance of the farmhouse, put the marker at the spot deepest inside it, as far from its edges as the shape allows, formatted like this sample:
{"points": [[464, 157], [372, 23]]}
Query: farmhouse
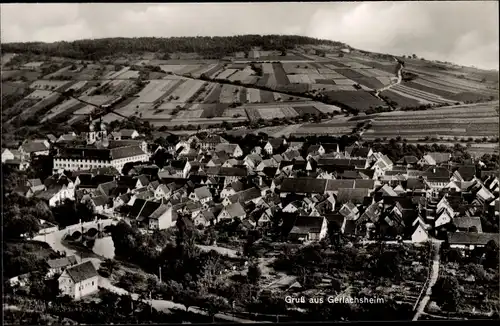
{"points": [[231, 211], [309, 228], [57, 266], [33, 66], [32, 148], [232, 150], [468, 241], [79, 280]]}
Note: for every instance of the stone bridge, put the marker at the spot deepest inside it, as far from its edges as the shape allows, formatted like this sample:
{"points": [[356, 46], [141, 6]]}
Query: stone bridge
{"points": [[84, 227]]}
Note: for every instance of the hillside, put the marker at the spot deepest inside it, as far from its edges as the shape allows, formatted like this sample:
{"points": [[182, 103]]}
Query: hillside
{"points": [[199, 82]]}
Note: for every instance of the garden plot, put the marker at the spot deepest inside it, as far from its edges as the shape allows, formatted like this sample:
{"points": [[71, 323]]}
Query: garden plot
{"points": [[280, 74], [421, 94], [39, 95], [214, 94], [86, 110], [266, 96], [234, 113], [48, 84], [270, 113], [272, 82], [189, 69], [155, 90], [129, 74], [212, 111], [277, 97], [186, 90], [430, 84], [365, 72], [172, 68], [97, 100], [225, 73], [227, 94], [334, 66], [253, 95], [57, 73], [267, 68], [253, 114], [333, 75], [345, 82], [326, 108], [390, 93], [78, 86], [241, 75], [115, 74], [357, 65], [329, 87], [298, 79], [185, 115], [289, 112], [206, 89], [62, 108], [250, 80]]}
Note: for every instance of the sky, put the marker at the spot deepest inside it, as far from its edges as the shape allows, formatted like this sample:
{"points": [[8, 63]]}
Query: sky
{"points": [[465, 32]]}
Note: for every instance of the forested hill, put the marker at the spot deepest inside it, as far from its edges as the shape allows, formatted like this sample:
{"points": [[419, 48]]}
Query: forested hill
{"points": [[215, 47]]}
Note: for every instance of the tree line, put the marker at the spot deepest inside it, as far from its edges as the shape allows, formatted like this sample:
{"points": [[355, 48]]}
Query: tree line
{"points": [[210, 47]]}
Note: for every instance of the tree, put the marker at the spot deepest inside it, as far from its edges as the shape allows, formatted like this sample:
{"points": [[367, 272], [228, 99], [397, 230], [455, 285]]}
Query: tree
{"points": [[189, 298], [215, 304], [254, 274], [446, 292]]}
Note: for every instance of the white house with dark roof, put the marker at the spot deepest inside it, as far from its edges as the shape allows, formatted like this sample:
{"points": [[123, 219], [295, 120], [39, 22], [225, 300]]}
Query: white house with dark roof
{"points": [[32, 148], [201, 194], [231, 211], [79, 280]]}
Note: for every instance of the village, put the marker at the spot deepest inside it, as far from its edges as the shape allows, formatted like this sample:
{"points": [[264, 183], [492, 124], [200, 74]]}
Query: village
{"points": [[270, 207]]}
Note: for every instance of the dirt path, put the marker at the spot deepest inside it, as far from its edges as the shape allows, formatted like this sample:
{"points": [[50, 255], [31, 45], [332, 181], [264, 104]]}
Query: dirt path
{"points": [[436, 246]]}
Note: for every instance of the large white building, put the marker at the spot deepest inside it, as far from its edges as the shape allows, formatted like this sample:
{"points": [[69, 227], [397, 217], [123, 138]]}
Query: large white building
{"points": [[97, 151]]}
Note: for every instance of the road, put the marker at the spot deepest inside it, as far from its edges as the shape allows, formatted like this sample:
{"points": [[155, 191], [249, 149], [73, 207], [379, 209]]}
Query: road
{"points": [[55, 241], [436, 246]]}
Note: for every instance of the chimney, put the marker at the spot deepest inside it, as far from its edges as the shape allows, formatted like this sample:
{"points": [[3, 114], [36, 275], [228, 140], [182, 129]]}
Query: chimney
{"points": [[433, 170]]}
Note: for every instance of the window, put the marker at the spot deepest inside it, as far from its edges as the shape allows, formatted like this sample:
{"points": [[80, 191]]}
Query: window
{"points": [[92, 282]]}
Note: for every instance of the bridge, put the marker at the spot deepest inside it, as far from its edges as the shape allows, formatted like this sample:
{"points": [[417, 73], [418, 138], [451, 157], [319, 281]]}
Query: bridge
{"points": [[97, 225]]}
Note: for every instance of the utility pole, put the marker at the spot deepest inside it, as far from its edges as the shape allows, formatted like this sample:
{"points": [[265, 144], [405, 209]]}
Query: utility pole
{"points": [[159, 273]]}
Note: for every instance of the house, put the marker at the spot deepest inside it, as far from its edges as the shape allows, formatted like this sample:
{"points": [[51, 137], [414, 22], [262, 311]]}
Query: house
{"points": [[201, 194], [211, 141], [274, 144], [57, 266], [35, 186], [163, 191], [420, 234], [79, 280], [468, 224], [9, 154], [468, 241], [245, 196], [57, 194], [232, 189], [33, 66], [99, 203], [125, 134], [176, 168], [349, 211], [309, 228], [32, 148], [251, 161], [231, 211], [409, 161], [295, 145], [205, 217], [434, 158], [315, 150], [160, 219], [464, 173], [232, 150], [356, 151], [437, 177], [302, 186]]}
